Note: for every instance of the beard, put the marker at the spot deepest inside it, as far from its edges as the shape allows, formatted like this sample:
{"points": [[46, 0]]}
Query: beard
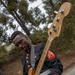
{"points": [[26, 47]]}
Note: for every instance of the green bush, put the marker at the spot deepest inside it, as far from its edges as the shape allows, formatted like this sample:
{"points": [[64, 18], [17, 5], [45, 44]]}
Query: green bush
{"points": [[14, 51], [6, 56]]}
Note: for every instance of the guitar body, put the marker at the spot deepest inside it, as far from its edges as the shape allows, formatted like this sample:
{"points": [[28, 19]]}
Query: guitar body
{"points": [[31, 71]]}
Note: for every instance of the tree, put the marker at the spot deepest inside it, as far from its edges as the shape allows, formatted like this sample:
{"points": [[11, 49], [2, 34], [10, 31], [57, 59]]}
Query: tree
{"points": [[19, 11], [30, 20], [12, 10]]}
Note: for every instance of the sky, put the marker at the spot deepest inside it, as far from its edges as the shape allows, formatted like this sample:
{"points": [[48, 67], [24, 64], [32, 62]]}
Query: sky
{"points": [[40, 5], [37, 3]]}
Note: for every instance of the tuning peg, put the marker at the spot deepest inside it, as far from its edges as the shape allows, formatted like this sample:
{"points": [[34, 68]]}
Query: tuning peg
{"points": [[62, 11], [56, 12], [57, 19], [53, 26], [50, 32], [54, 30]]}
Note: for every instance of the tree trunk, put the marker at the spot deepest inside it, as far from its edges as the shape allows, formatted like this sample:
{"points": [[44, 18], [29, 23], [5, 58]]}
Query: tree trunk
{"points": [[18, 19]]}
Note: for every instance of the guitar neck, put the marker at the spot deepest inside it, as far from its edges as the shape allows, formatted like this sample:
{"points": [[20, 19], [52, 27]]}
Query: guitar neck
{"points": [[53, 32], [43, 56]]}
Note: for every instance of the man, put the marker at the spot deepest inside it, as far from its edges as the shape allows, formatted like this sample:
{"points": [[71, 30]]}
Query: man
{"points": [[52, 62]]}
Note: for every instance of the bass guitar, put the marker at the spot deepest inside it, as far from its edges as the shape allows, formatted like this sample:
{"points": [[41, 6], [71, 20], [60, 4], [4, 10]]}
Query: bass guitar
{"points": [[53, 32]]}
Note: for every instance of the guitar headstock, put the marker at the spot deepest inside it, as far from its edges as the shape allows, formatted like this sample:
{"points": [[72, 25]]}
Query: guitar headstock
{"points": [[56, 25]]}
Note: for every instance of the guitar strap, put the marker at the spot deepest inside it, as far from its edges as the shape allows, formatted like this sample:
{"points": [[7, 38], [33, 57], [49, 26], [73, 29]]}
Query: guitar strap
{"points": [[32, 58], [32, 61]]}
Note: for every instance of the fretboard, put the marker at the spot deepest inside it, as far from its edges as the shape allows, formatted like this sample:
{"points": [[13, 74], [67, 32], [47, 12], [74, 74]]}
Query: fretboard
{"points": [[43, 56]]}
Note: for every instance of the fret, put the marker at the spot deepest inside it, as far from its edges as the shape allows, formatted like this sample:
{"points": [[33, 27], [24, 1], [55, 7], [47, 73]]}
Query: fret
{"points": [[43, 56]]}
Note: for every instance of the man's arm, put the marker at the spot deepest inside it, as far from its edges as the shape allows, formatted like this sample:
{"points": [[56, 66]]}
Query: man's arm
{"points": [[54, 64]]}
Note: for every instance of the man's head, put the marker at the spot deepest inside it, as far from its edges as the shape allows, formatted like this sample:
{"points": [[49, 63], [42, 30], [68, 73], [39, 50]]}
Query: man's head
{"points": [[20, 40]]}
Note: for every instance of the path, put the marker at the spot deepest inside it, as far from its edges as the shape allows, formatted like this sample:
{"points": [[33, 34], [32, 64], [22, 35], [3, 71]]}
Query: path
{"points": [[68, 60], [70, 70]]}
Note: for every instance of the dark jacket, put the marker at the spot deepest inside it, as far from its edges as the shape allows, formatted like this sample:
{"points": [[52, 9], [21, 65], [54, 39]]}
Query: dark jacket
{"points": [[54, 65]]}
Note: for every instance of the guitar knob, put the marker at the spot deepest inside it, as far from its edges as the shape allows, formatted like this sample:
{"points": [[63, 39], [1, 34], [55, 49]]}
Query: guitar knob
{"points": [[62, 11]]}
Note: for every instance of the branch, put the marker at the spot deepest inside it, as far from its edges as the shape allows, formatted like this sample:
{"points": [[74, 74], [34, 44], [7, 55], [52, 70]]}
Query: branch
{"points": [[22, 24], [17, 18]]}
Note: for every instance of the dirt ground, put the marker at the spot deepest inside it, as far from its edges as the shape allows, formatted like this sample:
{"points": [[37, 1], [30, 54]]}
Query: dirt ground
{"points": [[15, 68]]}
